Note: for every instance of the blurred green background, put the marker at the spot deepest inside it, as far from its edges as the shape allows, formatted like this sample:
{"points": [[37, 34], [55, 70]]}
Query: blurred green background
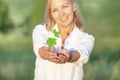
{"points": [[19, 17]]}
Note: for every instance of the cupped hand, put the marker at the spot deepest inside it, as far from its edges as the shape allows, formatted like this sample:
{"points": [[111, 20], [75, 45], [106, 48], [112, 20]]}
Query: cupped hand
{"points": [[63, 56], [50, 54]]}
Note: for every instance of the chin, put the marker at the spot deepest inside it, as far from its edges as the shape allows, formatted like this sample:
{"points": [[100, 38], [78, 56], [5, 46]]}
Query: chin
{"points": [[65, 24]]}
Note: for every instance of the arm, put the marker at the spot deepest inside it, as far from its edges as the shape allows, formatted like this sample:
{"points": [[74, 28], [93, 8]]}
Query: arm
{"points": [[39, 38], [84, 48], [41, 50], [81, 52]]}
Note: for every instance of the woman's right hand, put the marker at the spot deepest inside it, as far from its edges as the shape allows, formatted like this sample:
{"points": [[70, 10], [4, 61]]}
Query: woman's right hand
{"points": [[48, 54]]}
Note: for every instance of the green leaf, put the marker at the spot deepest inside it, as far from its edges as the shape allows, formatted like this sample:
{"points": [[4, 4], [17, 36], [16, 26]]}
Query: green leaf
{"points": [[56, 33], [51, 42]]}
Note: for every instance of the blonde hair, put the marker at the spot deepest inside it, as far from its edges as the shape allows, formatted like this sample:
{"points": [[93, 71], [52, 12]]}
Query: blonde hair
{"points": [[50, 22]]}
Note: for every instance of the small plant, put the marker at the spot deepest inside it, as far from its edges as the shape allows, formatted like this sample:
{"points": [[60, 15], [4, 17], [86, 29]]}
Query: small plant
{"points": [[52, 41]]}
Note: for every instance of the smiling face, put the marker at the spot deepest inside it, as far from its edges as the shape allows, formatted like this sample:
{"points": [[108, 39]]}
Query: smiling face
{"points": [[62, 12]]}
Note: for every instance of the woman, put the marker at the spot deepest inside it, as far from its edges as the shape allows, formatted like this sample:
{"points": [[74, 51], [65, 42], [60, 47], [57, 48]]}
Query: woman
{"points": [[65, 60]]}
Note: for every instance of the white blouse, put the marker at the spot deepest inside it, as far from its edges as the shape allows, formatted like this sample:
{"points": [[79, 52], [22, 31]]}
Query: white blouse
{"points": [[77, 40]]}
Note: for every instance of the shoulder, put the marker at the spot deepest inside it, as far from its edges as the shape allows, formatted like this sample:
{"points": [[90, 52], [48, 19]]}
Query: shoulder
{"points": [[40, 27], [87, 35], [40, 30], [84, 35]]}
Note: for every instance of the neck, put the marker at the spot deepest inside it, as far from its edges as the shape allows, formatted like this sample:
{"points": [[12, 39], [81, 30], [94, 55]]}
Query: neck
{"points": [[66, 29], [65, 32]]}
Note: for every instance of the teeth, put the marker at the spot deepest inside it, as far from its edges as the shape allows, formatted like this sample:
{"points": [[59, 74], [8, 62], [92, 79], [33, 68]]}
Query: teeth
{"points": [[63, 19]]}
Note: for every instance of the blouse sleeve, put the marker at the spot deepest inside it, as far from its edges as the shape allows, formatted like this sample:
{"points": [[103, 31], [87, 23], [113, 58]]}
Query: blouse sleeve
{"points": [[84, 47], [39, 37]]}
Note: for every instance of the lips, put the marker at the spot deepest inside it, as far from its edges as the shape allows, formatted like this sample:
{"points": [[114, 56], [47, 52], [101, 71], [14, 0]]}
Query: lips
{"points": [[63, 19]]}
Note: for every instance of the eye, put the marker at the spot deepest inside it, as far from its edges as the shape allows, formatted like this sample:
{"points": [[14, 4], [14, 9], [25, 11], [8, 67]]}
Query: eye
{"points": [[65, 6], [54, 10]]}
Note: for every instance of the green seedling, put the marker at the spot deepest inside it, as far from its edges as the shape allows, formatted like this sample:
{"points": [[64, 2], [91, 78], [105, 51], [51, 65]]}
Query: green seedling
{"points": [[52, 41]]}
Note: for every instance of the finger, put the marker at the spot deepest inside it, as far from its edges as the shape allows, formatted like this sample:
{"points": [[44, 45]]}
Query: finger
{"points": [[61, 59], [62, 56], [54, 60], [51, 55], [46, 48], [65, 52]]}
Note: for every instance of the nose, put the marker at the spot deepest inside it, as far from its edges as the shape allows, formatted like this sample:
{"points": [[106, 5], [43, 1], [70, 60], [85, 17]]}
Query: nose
{"points": [[61, 13]]}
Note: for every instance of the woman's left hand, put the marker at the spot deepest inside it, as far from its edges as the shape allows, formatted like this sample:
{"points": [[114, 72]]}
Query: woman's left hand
{"points": [[63, 58]]}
